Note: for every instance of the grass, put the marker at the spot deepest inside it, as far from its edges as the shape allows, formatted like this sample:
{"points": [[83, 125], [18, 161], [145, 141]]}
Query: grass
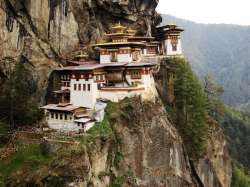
{"points": [[28, 155]]}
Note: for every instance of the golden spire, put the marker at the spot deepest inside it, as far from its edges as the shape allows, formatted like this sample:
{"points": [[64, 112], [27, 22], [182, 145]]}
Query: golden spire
{"points": [[118, 28]]}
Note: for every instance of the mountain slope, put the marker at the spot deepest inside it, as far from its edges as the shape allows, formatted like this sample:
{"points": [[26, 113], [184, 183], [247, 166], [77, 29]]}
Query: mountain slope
{"points": [[222, 50]]}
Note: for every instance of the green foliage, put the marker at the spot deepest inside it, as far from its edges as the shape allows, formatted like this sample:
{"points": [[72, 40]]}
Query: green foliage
{"points": [[190, 109], [239, 178], [236, 126], [26, 155], [101, 129], [17, 106], [118, 181], [224, 51], [118, 158], [213, 92]]}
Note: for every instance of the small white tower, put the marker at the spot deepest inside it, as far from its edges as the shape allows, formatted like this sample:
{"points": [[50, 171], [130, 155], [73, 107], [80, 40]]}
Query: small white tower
{"points": [[170, 38]]}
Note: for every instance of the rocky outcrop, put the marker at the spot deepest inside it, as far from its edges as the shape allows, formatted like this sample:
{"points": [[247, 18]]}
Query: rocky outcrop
{"points": [[150, 146], [215, 169]]}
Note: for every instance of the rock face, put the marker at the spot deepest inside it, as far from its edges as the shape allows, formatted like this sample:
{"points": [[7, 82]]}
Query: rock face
{"points": [[150, 146], [215, 168]]}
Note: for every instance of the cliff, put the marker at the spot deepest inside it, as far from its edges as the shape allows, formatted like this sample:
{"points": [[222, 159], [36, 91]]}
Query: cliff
{"points": [[143, 147]]}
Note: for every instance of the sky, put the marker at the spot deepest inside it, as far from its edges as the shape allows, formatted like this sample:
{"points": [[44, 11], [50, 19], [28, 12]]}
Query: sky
{"points": [[208, 11]]}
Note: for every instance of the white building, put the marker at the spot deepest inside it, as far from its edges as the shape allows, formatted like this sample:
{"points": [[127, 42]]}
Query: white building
{"points": [[170, 38], [120, 73]]}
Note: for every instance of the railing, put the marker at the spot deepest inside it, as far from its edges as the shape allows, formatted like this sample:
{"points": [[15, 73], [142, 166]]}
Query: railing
{"points": [[122, 89]]}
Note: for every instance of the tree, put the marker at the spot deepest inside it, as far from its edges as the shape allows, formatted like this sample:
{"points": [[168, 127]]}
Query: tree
{"points": [[213, 92], [190, 109], [17, 106]]}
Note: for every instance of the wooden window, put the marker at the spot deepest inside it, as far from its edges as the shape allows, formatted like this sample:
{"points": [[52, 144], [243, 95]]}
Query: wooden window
{"points": [[79, 87], [135, 75], [65, 116], [52, 115], [56, 116], [174, 47], [75, 86], [86, 77], [88, 87], [113, 57], [61, 116], [102, 77], [84, 87]]}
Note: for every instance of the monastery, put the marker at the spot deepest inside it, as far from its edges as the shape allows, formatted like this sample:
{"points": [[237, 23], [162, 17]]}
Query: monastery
{"points": [[122, 71]]}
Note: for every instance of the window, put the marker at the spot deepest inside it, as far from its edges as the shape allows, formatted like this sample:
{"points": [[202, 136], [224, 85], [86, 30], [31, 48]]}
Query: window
{"points": [[135, 55], [174, 42], [86, 77], [65, 116], [102, 77], [74, 86], [52, 115], [61, 116], [79, 87], [56, 116], [135, 75], [113, 57], [84, 87], [88, 87], [174, 47]]}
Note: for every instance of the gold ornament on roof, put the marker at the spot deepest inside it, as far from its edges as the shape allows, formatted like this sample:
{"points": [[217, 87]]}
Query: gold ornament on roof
{"points": [[118, 28]]}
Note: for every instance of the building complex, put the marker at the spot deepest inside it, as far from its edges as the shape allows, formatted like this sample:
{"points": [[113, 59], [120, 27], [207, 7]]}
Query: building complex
{"points": [[121, 71]]}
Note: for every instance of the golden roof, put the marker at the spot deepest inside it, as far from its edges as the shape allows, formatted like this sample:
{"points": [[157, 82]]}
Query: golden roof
{"points": [[118, 27], [131, 31]]}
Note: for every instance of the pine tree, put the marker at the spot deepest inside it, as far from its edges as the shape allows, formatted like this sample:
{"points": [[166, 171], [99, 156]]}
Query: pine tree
{"points": [[190, 109]]}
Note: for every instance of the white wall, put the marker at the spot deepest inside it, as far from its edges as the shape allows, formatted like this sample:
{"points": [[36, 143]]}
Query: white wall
{"points": [[63, 125], [116, 96], [170, 52], [104, 59], [124, 58], [83, 98], [145, 79]]}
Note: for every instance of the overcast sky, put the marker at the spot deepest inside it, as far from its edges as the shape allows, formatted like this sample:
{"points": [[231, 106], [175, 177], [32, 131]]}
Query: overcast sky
{"points": [[208, 11]]}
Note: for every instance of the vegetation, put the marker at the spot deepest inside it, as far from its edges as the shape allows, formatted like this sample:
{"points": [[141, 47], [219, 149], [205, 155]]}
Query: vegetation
{"points": [[29, 155], [120, 180], [190, 109], [223, 51], [17, 107], [239, 178], [236, 126]]}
